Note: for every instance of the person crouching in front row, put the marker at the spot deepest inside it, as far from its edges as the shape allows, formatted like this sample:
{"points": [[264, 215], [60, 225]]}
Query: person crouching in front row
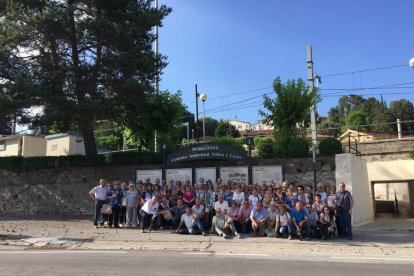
{"points": [[223, 225], [148, 213]]}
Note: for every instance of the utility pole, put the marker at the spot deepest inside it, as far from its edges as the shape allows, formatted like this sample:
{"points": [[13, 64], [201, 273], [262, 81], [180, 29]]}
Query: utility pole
{"points": [[157, 77], [196, 95], [311, 80]]}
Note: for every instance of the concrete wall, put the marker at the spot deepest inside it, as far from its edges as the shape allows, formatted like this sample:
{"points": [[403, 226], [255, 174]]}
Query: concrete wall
{"points": [[390, 171], [33, 146], [12, 148], [352, 170]]}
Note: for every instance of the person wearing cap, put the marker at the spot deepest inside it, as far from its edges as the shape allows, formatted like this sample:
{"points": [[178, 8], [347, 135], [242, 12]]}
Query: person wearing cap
{"points": [[148, 213]]}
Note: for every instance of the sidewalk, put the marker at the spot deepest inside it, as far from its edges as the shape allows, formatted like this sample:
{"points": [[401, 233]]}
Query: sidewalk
{"points": [[385, 237]]}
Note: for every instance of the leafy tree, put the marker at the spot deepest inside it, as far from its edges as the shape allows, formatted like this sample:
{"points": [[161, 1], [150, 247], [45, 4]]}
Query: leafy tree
{"points": [[404, 110], [162, 113], [290, 107], [211, 126], [328, 127], [356, 118], [226, 129], [82, 60]]}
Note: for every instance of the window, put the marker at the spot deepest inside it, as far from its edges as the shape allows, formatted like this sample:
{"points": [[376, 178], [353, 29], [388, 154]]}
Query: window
{"points": [[2, 146]]}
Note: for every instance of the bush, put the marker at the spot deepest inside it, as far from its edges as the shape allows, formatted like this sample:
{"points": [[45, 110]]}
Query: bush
{"points": [[266, 149], [227, 140], [286, 146], [412, 154], [329, 147], [260, 140], [298, 147]]}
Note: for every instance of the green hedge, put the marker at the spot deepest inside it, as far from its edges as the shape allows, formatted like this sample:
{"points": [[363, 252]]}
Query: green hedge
{"points": [[330, 146], [18, 163], [412, 154], [227, 140], [133, 157]]}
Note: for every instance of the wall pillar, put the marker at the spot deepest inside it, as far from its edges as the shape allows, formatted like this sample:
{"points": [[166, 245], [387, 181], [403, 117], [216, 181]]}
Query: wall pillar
{"points": [[352, 170]]}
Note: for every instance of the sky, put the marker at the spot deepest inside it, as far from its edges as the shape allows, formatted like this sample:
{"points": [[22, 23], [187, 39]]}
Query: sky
{"points": [[234, 49]]}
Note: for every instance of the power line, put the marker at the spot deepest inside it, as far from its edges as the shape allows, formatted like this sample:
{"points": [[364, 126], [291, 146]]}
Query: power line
{"points": [[365, 70], [239, 93]]}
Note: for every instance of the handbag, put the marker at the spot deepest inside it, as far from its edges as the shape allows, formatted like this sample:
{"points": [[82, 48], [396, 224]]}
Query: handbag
{"points": [[123, 201], [106, 209], [167, 215]]}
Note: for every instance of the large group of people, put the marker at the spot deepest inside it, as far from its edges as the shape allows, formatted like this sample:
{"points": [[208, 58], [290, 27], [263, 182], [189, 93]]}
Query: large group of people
{"points": [[279, 210]]}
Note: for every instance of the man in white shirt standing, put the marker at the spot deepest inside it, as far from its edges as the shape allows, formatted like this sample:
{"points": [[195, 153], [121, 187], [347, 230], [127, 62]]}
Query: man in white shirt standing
{"points": [[148, 213], [99, 195]]}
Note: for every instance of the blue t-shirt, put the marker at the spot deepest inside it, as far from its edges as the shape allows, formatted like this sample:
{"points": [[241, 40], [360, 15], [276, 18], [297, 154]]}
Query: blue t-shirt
{"points": [[299, 215]]}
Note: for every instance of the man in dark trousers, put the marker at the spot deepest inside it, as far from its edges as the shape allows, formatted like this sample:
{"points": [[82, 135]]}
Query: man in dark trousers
{"points": [[344, 204]]}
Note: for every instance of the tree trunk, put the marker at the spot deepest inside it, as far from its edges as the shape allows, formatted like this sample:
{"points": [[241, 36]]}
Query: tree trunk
{"points": [[86, 129]]}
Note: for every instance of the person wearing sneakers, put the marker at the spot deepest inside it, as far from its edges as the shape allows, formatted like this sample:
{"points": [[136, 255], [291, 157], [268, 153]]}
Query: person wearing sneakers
{"points": [[99, 195], [300, 217], [188, 223], [344, 204], [283, 223], [259, 219], [223, 225], [148, 213]]}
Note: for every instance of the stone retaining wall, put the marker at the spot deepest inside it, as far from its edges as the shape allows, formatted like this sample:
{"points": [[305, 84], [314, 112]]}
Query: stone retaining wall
{"points": [[66, 190]]}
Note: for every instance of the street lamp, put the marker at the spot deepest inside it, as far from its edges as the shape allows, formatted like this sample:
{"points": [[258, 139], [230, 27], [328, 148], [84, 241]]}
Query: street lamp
{"points": [[411, 62], [203, 98]]}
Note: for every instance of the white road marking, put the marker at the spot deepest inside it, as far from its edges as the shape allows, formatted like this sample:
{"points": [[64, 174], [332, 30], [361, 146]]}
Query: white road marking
{"points": [[225, 254], [374, 258], [65, 252]]}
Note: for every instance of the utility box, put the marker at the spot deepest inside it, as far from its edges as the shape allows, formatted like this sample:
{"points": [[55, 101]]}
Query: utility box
{"points": [[64, 144]]}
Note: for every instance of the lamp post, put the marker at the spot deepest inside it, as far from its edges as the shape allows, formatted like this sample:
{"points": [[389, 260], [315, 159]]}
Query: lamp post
{"points": [[203, 98]]}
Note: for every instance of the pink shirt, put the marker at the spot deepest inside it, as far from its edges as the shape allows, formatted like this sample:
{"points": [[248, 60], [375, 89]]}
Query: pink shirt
{"points": [[188, 196], [233, 213], [244, 213]]}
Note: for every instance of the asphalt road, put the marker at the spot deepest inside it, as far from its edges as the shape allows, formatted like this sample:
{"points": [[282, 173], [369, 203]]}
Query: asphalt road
{"points": [[149, 263]]}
